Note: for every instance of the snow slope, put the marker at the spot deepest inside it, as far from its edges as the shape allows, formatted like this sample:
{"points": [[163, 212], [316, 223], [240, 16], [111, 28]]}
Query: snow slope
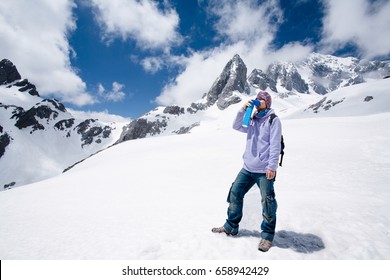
{"points": [[158, 198], [37, 154]]}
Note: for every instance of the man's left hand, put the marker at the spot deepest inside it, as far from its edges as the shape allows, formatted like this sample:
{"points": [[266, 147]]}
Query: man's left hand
{"points": [[270, 174]]}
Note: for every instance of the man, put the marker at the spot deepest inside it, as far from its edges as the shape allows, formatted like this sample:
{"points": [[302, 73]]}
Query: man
{"points": [[261, 159]]}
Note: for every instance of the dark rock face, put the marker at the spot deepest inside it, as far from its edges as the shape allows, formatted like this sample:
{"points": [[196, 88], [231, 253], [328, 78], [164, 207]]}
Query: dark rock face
{"points": [[232, 78], [184, 130], [59, 106], [195, 107], [30, 117], [64, 124], [139, 128], [89, 132], [368, 98], [286, 74], [5, 140], [9, 185], [174, 110], [324, 104], [25, 85], [8, 72], [261, 80]]}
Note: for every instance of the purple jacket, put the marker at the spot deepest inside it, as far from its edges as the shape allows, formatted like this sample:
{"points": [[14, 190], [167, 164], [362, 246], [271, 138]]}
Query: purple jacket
{"points": [[262, 142]]}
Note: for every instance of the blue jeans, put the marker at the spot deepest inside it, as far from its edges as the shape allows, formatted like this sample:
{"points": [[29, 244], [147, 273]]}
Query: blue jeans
{"points": [[243, 183]]}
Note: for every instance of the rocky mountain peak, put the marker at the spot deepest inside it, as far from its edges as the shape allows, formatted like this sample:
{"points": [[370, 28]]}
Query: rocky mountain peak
{"points": [[232, 78], [175, 119], [8, 72], [282, 75], [318, 73], [10, 75]]}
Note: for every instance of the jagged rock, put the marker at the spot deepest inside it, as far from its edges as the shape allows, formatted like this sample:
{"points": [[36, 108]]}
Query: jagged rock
{"points": [[184, 130], [25, 85], [5, 140], [232, 78], [321, 70], [260, 80], [285, 74], [331, 103], [368, 98], [8, 72], [195, 107], [29, 117], [41, 110], [9, 185], [56, 104], [316, 106], [354, 81], [174, 110], [64, 124], [324, 105], [89, 133], [320, 89], [139, 128], [225, 102]]}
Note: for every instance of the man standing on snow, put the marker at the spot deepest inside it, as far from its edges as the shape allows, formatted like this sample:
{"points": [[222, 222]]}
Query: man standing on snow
{"points": [[261, 158]]}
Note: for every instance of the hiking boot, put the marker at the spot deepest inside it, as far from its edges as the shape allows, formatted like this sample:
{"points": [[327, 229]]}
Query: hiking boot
{"points": [[222, 229], [264, 245]]}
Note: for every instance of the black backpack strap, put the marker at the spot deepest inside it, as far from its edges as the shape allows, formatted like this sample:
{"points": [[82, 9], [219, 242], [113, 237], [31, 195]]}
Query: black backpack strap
{"points": [[281, 152], [271, 118]]}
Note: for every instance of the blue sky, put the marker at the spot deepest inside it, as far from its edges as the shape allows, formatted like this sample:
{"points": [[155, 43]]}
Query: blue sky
{"points": [[126, 57]]}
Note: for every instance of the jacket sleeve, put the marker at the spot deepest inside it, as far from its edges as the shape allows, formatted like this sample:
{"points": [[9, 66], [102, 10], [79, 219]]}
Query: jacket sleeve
{"points": [[237, 124], [275, 144]]}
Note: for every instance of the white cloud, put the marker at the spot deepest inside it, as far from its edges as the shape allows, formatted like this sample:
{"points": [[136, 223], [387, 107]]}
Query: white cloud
{"points": [[115, 94], [33, 35], [360, 22], [245, 19], [142, 21], [253, 42], [101, 89], [152, 64], [103, 116]]}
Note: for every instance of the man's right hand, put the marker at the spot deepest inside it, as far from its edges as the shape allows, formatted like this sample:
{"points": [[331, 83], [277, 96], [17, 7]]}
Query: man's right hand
{"points": [[247, 104]]}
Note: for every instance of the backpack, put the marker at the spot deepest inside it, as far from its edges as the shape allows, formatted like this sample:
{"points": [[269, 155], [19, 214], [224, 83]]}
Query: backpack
{"points": [[271, 118]]}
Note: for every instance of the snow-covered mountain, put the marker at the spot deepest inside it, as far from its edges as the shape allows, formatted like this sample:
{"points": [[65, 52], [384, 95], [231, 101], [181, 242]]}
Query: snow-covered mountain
{"points": [[40, 137], [159, 197], [225, 91], [319, 74], [289, 82]]}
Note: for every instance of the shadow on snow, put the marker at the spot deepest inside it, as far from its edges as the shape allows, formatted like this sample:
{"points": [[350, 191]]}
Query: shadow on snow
{"points": [[299, 242]]}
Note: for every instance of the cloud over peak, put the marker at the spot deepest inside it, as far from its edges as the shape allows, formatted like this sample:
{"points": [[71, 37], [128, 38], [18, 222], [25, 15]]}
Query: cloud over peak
{"points": [[33, 35]]}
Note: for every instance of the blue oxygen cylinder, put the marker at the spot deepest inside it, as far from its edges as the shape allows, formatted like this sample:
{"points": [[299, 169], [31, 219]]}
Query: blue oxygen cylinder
{"points": [[248, 112]]}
